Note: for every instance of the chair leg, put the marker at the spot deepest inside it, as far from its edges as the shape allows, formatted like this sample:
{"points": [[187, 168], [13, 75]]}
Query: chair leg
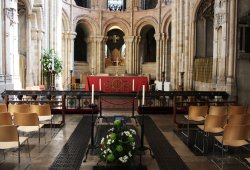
{"points": [[28, 148], [44, 135], [19, 150], [3, 154]]}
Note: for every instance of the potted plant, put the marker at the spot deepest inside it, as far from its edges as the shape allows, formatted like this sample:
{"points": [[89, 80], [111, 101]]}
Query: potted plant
{"points": [[50, 62]]}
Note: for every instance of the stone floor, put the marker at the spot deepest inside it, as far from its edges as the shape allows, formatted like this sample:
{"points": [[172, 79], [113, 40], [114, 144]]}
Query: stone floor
{"points": [[43, 156]]}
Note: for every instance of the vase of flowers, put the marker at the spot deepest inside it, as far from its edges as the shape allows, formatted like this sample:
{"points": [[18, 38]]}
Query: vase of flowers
{"points": [[118, 147], [50, 62]]}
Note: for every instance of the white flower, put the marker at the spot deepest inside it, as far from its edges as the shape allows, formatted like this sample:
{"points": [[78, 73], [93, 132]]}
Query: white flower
{"points": [[129, 154], [102, 141], [132, 131]]}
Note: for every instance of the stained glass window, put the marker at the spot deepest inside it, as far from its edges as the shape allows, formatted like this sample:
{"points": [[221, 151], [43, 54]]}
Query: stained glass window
{"points": [[115, 5]]}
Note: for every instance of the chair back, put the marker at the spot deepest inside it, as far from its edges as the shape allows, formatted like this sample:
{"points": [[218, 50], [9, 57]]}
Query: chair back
{"points": [[8, 133], [218, 110], [26, 119], [18, 108], [41, 110], [232, 110], [234, 132], [3, 108], [195, 111], [5, 118], [238, 119], [213, 122]]}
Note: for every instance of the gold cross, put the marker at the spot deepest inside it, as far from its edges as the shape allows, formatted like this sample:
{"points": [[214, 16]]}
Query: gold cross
{"points": [[115, 38]]}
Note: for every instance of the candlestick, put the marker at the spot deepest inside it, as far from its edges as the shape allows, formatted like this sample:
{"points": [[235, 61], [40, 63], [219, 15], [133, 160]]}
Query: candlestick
{"points": [[53, 62], [143, 95], [100, 84], [92, 94], [133, 85]]}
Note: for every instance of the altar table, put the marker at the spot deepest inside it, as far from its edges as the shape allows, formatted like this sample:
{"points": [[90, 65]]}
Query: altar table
{"points": [[117, 83]]}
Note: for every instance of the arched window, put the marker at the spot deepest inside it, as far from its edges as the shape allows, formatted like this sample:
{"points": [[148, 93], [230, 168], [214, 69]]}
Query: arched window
{"points": [[116, 5], [204, 29], [80, 45], [148, 4], [82, 3]]}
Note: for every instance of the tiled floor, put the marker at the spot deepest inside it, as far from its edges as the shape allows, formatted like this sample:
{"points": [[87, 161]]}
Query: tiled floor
{"points": [[41, 158]]}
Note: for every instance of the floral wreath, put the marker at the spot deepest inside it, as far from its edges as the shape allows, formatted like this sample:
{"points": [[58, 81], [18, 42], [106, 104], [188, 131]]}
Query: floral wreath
{"points": [[119, 144]]}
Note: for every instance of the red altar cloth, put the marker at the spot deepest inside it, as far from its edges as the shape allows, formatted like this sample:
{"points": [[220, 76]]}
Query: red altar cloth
{"points": [[116, 83]]}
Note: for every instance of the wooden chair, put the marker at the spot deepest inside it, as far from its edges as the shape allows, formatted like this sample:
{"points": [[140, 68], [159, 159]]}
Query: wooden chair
{"points": [[233, 136], [44, 113], [18, 108], [9, 139], [197, 115], [213, 124], [28, 123], [5, 118], [3, 108]]}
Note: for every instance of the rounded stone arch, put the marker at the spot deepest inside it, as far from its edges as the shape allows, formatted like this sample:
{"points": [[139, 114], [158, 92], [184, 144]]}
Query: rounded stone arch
{"points": [[121, 23], [166, 22], [193, 16], [194, 12], [146, 21], [87, 21], [65, 21]]}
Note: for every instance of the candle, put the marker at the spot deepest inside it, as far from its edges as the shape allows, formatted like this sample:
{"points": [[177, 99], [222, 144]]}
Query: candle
{"points": [[183, 62], [92, 94], [100, 85], [143, 95], [53, 62], [133, 85]]}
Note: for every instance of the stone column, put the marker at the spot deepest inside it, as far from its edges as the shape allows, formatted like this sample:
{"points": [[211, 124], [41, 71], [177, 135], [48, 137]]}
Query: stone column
{"points": [[1, 44], [174, 66], [99, 57], [164, 54], [129, 53], [232, 42], [71, 39], [40, 35], [39, 54], [137, 64], [187, 77], [158, 56], [33, 71], [65, 71]]}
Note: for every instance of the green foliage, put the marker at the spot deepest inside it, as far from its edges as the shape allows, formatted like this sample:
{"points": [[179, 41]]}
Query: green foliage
{"points": [[47, 60], [119, 144]]}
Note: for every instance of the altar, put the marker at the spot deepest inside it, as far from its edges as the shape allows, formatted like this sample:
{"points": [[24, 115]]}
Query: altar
{"points": [[117, 83]]}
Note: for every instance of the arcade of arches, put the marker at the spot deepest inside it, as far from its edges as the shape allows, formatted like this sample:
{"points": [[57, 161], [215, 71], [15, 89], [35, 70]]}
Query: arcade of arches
{"points": [[208, 40]]}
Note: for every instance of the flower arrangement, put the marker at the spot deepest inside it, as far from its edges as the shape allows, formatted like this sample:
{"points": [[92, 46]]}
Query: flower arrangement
{"points": [[119, 144], [50, 61]]}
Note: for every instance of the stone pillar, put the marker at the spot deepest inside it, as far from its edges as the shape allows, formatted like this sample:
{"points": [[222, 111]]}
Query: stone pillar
{"points": [[129, 53], [164, 54], [65, 71], [11, 57], [158, 56], [1, 44], [33, 71], [137, 64], [187, 77], [174, 66], [99, 57], [232, 42], [220, 46], [71, 39], [39, 54]]}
